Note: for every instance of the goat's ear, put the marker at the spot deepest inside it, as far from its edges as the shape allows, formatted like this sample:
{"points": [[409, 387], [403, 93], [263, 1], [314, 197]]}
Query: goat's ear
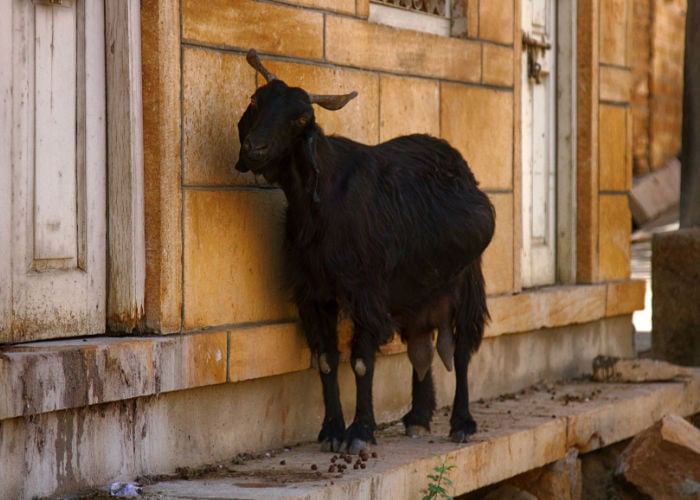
{"points": [[332, 102]]}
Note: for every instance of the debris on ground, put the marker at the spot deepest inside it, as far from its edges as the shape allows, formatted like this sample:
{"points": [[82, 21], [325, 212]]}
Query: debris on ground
{"points": [[125, 489], [664, 460], [612, 369]]}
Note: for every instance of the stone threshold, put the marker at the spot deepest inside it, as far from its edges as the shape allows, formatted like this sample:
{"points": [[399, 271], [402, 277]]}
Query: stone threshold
{"points": [[54, 375], [517, 433]]}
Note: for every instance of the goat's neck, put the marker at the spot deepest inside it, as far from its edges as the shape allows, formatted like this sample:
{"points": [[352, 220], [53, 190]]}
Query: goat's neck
{"points": [[302, 182], [303, 185]]}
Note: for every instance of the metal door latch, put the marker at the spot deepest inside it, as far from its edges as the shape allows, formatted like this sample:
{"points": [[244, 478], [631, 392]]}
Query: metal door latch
{"points": [[535, 49]]}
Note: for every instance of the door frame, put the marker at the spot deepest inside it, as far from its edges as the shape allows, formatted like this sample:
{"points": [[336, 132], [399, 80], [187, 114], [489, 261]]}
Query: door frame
{"points": [[566, 115], [565, 143], [538, 200], [126, 256]]}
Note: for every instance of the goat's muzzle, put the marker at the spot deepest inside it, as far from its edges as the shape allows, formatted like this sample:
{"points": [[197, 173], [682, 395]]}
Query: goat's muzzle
{"points": [[252, 154]]}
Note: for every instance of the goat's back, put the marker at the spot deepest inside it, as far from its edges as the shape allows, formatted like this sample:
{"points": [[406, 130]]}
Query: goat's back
{"points": [[405, 215]]}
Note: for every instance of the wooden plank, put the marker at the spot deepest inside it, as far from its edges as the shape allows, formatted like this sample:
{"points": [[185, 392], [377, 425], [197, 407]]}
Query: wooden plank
{"points": [[566, 143], [55, 217], [5, 167], [95, 151], [125, 160]]}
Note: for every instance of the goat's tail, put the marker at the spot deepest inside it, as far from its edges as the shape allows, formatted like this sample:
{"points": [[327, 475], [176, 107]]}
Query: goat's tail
{"points": [[472, 312]]}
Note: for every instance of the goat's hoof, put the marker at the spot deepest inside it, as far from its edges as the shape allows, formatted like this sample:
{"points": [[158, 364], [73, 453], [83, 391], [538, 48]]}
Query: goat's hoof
{"points": [[416, 431], [459, 436], [462, 435], [358, 437], [357, 446], [331, 445]]}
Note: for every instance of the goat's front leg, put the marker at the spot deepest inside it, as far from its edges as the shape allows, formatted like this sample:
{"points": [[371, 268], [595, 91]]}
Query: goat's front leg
{"points": [[373, 327], [320, 326], [361, 432]]}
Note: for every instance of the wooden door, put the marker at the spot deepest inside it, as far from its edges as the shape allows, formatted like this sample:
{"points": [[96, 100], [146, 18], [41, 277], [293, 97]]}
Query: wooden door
{"points": [[538, 143], [53, 253]]}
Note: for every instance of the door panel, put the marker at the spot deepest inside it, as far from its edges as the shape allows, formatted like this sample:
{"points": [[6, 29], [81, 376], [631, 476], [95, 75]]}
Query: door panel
{"points": [[56, 270], [55, 217], [538, 143]]}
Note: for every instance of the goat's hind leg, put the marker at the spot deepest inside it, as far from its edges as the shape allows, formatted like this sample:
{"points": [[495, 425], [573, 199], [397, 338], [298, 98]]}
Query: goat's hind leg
{"points": [[417, 420], [420, 353], [462, 424], [471, 316]]}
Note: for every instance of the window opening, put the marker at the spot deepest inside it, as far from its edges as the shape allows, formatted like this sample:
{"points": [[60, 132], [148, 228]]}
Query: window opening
{"points": [[428, 16]]}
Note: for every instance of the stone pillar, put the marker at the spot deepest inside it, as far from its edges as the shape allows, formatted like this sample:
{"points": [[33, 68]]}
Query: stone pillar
{"points": [[690, 155], [675, 269]]}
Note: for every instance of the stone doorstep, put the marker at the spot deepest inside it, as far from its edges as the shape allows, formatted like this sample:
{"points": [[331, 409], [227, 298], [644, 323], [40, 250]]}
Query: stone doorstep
{"points": [[517, 433]]}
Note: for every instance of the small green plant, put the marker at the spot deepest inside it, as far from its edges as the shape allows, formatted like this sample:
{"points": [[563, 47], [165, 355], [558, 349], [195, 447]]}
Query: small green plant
{"points": [[439, 481]]}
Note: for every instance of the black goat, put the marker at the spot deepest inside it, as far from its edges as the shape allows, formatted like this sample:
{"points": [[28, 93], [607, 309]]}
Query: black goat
{"points": [[391, 234]]}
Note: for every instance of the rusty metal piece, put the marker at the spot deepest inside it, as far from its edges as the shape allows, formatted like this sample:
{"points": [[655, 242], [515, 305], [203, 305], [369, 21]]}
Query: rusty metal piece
{"points": [[535, 48]]}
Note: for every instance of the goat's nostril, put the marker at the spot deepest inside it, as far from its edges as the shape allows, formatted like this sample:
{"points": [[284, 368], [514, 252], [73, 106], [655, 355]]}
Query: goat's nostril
{"points": [[257, 151]]}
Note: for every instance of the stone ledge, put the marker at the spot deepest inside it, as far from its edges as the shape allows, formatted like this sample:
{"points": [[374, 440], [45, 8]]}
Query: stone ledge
{"points": [[59, 374], [517, 433], [55, 375]]}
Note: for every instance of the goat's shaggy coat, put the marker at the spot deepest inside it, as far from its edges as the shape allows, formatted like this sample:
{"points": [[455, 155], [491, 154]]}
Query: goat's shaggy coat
{"points": [[391, 234]]}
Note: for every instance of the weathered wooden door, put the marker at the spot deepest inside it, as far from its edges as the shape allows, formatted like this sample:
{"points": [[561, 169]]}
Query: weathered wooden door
{"points": [[538, 143], [52, 169]]}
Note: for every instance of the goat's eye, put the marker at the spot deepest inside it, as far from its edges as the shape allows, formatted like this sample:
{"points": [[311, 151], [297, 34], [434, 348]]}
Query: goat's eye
{"points": [[302, 121], [253, 101]]}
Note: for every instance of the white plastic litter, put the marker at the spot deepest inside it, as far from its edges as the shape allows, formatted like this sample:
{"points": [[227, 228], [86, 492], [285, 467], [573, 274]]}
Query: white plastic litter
{"points": [[121, 489]]}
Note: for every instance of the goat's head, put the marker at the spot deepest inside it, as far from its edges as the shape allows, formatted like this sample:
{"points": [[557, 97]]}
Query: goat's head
{"points": [[276, 120]]}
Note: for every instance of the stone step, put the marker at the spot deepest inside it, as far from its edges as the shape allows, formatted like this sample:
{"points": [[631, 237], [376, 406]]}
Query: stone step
{"points": [[517, 433]]}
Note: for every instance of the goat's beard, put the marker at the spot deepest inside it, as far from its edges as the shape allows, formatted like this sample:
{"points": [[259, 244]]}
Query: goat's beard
{"points": [[268, 170]]}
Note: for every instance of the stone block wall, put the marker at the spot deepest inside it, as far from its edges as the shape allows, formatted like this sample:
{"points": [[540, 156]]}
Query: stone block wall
{"points": [[223, 242], [604, 140], [214, 235], [657, 64]]}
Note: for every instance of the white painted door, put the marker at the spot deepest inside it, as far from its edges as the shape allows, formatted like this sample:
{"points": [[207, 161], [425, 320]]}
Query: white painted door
{"points": [[538, 143], [52, 170]]}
